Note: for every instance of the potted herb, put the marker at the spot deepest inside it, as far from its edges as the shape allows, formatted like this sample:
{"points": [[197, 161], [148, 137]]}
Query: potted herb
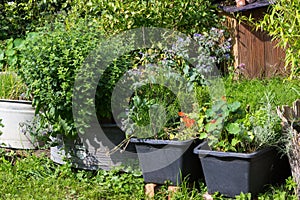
{"points": [[239, 154], [163, 135], [162, 89], [158, 123]]}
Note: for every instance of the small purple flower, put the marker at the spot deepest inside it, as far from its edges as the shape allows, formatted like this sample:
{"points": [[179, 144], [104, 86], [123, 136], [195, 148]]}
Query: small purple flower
{"points": [[180, 39], [227, 56], [228, 46], [197, 35]]}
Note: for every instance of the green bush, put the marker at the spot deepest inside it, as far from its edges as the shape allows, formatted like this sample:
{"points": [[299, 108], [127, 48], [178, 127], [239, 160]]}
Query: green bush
{"points": [[116, 16], [282, 23], [51, 58], [17, 17]]}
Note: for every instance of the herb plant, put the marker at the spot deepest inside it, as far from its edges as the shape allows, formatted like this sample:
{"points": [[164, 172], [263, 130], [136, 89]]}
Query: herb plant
{"points": [[10, 56], [52, 57], [211, 49], [229, 128]]}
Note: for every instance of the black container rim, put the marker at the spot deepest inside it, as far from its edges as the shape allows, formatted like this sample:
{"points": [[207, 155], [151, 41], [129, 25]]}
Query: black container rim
{"points": [[161, 142], [202, 151], [15, 101]]}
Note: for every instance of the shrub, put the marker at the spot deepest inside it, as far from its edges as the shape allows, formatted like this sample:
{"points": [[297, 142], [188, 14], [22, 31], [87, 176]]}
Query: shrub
{"points": [[20, 16], [116, 16], [52, 57]]}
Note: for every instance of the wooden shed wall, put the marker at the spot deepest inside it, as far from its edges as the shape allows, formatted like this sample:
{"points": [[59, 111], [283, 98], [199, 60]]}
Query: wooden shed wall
{"points": [[255, 51], [260, 55]]}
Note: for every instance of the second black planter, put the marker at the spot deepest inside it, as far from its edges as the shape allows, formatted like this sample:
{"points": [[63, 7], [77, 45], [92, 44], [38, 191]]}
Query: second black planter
{"points": [[168, 160], [232, 173]]}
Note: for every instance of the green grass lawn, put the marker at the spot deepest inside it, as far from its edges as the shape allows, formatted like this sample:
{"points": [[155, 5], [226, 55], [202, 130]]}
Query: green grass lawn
{"points": [[24, 175]]}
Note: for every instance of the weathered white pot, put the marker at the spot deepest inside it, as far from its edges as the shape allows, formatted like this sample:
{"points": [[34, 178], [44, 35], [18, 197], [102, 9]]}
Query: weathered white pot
{"points": [[90, 151], [15, 114]]}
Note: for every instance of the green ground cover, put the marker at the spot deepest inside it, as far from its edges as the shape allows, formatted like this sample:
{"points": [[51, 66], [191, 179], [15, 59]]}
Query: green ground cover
{"points": [[24, 175]]}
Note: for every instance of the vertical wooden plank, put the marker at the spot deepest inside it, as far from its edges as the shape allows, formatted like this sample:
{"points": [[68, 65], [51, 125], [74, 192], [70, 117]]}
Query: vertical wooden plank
{"points": [[243, 46], [274, 58], [257, 53], [251, 51]]}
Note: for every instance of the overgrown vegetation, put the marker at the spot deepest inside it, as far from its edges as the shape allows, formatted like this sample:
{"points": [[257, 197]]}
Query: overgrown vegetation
{"points": [[52, 57], [61, 46], [251, 93], [19, 17], [116, 16], [47, 41]]}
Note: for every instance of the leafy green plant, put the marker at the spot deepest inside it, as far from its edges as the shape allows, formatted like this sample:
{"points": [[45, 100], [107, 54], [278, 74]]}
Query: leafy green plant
{"points": [[286, 191], [10, 53], [223, 131], [17, 17], [185, 16], [52, 57], [229, 128], [210, 48], [108, 81], [153, 107]]}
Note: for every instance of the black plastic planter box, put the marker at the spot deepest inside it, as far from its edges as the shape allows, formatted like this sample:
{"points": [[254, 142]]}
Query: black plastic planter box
{"points": [[168, 160], [232, 173]]}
